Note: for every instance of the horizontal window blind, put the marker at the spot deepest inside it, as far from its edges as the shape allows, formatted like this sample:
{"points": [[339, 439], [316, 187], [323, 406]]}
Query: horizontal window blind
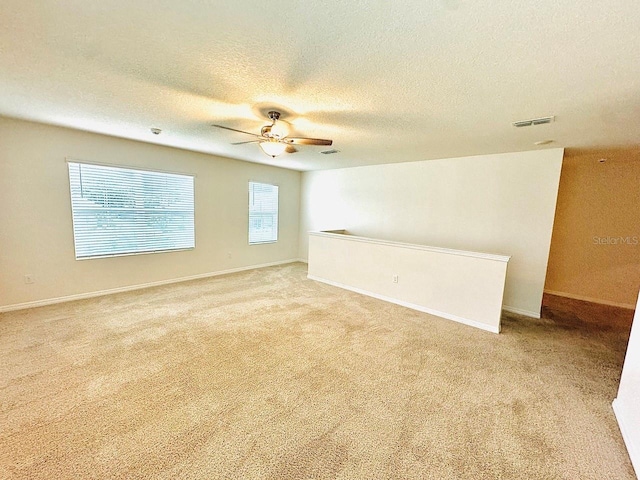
{"points": [[124, 211], [263, 213]]}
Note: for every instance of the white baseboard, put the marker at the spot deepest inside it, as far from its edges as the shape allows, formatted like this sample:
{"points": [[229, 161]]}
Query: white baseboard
{"points": [[128, 288], [413, 306], [634, 450], [629, 306], [303, 260], [521, 311]]}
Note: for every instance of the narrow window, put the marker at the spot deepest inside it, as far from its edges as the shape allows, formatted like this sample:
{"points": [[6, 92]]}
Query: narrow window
{"points": [[125, 211], [263, 213]]}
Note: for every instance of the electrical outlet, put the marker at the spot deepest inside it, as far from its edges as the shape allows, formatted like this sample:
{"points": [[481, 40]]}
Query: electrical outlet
{"points": [[29, 278], [229, 255], [395, 279]]}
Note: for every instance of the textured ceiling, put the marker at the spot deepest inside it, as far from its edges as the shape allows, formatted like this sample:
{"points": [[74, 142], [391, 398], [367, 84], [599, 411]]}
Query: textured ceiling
{"points": [[387, 81]]}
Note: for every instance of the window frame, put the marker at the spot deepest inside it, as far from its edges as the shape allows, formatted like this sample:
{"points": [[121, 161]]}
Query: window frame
{"points": [[134, 168], [277, 215]]}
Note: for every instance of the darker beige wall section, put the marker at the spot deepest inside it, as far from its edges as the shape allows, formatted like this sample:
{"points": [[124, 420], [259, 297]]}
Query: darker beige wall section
{"points": [[595, 246]]}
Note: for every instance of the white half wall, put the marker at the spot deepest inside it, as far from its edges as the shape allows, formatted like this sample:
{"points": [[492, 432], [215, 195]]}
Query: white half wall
{"points": [[502, 204], [627, 403], [463, 286], [36, 233]]}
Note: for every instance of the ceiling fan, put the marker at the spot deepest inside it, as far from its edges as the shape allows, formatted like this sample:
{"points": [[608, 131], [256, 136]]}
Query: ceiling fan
{"points": [[273, 139]]}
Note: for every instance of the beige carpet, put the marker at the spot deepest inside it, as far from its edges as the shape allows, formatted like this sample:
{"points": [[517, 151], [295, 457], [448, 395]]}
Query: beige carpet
{"points": [[265, 374]]}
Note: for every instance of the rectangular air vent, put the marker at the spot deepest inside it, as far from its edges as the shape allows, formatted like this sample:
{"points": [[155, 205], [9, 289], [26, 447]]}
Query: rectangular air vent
{"points": [[534, 121], [329, 152]]}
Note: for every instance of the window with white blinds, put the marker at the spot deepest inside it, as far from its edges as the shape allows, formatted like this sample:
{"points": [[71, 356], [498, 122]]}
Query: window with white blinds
{"points": [[263, 213], [124, 211]]}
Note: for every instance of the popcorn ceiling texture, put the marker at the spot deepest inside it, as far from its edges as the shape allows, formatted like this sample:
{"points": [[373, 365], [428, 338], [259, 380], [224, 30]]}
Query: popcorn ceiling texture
{"points": [[388, 81], [268, 375]]}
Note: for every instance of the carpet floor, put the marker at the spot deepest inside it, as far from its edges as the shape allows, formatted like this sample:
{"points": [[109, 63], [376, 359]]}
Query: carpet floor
{"points": [[267, 375]]}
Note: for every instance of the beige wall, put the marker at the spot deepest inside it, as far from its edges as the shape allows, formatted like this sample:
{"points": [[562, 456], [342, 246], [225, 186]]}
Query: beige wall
{"points": [[500, 204], [598, 204], [36, 235]]}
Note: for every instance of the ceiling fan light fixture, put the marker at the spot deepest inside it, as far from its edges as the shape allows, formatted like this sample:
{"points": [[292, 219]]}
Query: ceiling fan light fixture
{"points": [[274, 139], [273, 148]]}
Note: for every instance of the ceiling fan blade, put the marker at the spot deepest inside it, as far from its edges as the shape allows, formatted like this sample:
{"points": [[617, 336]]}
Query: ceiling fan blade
{"points": [[307, 141], [234, 130], [291, 149], [250, 141]]}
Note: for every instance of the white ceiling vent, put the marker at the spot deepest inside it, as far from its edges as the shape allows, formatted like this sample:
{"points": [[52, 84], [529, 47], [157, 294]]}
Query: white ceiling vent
{"points": [[534, 121]]}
